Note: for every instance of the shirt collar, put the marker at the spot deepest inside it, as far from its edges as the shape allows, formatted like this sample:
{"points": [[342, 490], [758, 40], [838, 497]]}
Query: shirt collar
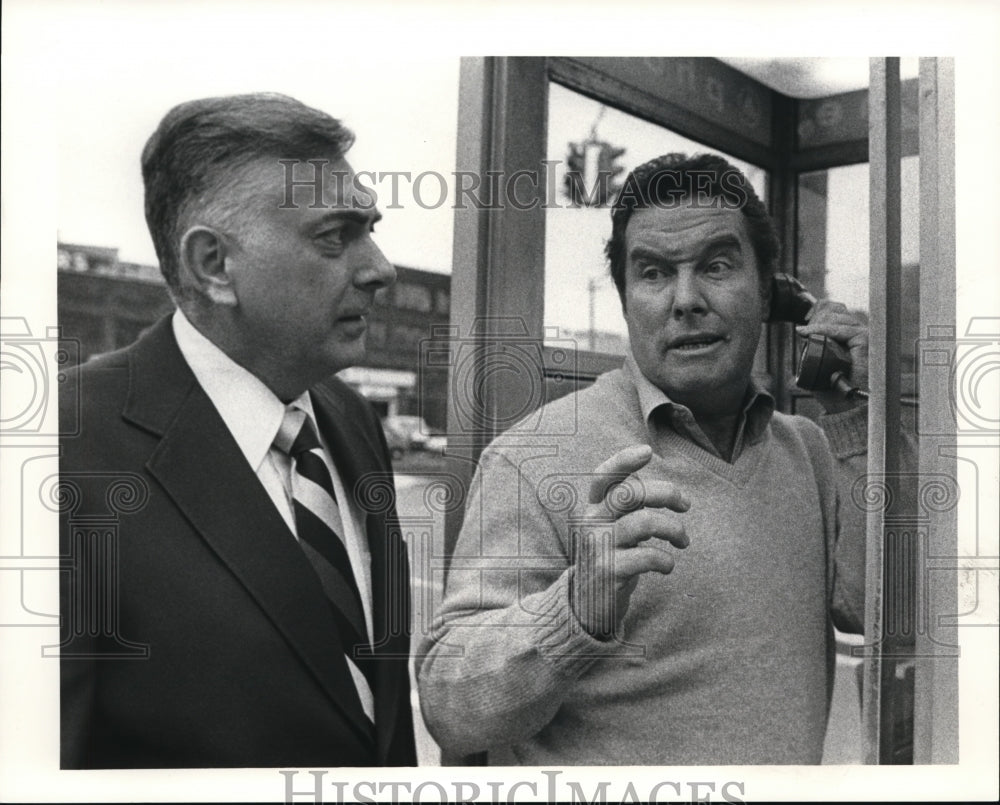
{"points": [[249, 409], [758, 405]]}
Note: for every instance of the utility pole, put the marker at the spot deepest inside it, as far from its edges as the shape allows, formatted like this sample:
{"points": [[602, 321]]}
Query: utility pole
{"points": [[592, 331]]}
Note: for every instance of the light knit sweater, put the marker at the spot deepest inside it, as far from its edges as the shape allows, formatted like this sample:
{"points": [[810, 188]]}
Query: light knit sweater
{"points": [[727, 660]]}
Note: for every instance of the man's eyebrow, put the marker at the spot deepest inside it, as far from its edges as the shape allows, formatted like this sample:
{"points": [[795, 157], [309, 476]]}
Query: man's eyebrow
{"points": [[356, 216], [719, 244], [643, 253]]}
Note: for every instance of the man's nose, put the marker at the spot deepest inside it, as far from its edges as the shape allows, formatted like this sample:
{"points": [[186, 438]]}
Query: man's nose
{"points": [[375, 270], [688, 297]]}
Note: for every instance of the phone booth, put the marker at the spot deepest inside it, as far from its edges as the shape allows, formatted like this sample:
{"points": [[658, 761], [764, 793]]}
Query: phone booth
{"points": [[850, 179]]}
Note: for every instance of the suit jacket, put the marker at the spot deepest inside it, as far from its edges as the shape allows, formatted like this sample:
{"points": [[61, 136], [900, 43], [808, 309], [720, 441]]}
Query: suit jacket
{"points": [[195, 632]]}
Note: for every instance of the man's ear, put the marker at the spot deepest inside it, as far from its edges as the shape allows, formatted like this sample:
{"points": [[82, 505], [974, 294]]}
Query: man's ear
{"points": [[203, 265]]}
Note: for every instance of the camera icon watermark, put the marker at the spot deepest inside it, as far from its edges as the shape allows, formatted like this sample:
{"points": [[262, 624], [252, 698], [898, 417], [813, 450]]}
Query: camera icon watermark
{"points": [[970, 368], [33, 369], [501, 376]]}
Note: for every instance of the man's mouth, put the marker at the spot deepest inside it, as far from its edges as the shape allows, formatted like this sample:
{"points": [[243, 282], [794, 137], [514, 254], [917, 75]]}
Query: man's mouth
{"points": [[695, 341]]}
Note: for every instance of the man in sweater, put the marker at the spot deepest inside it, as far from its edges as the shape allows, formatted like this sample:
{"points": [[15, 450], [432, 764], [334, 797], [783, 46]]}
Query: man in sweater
{"points": [[662, 587]]}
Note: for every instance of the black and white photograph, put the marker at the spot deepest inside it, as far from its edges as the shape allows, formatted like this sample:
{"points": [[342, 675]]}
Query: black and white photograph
{"points": [[452, 403]]}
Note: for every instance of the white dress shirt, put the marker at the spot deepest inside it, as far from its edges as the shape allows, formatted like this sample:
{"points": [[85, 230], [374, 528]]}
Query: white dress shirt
{"points": [[253, 414]]}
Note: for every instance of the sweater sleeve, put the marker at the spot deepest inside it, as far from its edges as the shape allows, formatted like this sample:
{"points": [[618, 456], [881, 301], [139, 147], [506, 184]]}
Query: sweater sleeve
{"points": [[505, 646], [847, 434]]}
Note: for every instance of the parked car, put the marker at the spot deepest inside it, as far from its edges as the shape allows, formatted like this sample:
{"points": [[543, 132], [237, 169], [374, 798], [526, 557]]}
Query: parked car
{"points": [[436, 443], [399, 443], [412, 433]]}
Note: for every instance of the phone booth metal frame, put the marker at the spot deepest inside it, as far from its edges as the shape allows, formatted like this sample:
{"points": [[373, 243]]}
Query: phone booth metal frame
{"points": [[910, 691]]}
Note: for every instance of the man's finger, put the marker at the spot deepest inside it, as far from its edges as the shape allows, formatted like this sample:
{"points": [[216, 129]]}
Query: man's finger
{"points": [[827, 315], [617, 468], [842, 332], [643, 559], [633, 494], [637, 527]]}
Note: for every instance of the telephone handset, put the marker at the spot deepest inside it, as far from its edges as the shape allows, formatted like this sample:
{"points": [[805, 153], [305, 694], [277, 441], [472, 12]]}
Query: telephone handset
{"points": [[824, 364]]}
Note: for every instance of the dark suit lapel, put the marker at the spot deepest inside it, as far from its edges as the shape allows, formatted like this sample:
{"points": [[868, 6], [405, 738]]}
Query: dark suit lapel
{"points": [[356, 452], [202, 468]]}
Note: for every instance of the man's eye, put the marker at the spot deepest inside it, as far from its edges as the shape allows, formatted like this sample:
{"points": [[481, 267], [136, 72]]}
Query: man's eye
{"points": [[718, 267], [331, 237], [651, 272]]}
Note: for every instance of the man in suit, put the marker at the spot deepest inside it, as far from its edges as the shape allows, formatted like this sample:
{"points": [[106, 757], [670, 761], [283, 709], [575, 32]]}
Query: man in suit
{"points": [[232, 597]]}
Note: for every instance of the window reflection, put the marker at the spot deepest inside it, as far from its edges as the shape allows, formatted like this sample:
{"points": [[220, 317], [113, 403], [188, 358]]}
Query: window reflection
{"points": [[588, 136], [833, 247]]}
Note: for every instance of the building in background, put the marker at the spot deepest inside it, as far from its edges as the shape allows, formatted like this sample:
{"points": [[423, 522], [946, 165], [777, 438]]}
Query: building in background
{"points": [[105, 304]]}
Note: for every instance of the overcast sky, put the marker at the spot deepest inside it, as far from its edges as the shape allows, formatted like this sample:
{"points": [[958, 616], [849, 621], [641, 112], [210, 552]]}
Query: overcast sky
{"points": [[119, 73]]}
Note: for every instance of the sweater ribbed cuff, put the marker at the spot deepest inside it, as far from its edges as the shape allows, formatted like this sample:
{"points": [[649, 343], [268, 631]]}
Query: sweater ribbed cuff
{"points": [[561, 638], [847, 431]]}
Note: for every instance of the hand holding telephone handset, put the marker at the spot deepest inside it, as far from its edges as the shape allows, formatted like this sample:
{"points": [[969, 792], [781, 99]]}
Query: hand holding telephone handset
{"points": [[824, 364]]}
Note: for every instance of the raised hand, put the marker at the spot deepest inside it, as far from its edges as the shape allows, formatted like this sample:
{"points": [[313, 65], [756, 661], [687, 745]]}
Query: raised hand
{"points": [[626, 531]]}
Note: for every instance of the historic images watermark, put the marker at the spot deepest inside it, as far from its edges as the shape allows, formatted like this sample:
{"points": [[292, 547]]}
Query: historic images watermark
{"points": [[308, 182], [322, 786], [500, 349]]}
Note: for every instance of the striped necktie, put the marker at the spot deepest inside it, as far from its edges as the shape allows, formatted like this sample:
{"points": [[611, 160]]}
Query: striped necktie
{"points": [[320, 532]]}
